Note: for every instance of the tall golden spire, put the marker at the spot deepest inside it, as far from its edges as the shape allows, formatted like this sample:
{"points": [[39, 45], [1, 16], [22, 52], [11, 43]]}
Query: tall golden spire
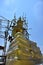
{"points": [[20, 27]]}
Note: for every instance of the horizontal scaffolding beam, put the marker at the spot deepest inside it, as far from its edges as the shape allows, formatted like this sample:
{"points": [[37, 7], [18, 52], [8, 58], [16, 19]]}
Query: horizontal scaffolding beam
{"points": [[2, 56], [1, 48]]}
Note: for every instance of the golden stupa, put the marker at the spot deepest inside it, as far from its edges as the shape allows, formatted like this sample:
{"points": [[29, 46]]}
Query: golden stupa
{"points": [[22, 51]]}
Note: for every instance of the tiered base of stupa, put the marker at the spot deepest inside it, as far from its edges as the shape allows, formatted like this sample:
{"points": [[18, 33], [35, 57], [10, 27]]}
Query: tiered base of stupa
{"points": [[21, 62], [22, 51]]}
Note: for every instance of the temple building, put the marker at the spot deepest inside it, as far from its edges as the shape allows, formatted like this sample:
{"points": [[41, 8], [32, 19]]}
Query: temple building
{"points": [[22, 51]]}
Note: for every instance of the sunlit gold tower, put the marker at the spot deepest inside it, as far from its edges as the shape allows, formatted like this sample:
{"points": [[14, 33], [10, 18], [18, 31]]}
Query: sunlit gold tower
{"points": [[22, 51]]}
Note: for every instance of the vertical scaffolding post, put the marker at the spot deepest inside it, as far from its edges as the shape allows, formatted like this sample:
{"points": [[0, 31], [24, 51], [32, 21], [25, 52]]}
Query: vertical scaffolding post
{"points": [[5, 43]]}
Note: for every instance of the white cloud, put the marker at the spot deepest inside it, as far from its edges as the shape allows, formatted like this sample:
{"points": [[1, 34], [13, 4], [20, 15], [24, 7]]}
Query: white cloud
{"points": [[8, 2]]}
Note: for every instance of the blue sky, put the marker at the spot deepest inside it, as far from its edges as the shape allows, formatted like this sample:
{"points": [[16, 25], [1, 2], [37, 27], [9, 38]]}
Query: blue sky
{"points": [[33, 9]]}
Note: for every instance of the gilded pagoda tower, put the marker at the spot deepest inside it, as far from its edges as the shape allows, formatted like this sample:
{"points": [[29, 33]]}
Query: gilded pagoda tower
{"points": [[22, 51]]}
